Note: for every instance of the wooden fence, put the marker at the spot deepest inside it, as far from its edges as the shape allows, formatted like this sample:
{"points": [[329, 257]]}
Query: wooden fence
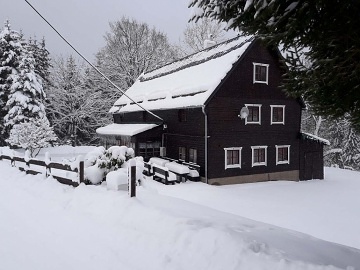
{"points": [[26, 167]]}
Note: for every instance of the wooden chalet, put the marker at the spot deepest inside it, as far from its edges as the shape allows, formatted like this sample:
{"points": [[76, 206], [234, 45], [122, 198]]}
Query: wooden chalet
{"points": [[201, 100]]}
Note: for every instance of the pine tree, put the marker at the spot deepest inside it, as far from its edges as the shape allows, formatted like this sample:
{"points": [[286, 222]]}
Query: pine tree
{"points": [[26, 97], [42, 61], [10, 50]]}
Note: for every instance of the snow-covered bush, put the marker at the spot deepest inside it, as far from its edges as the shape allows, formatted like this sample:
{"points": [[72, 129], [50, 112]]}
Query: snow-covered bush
{"points": [[32, 135], [99, 162]]}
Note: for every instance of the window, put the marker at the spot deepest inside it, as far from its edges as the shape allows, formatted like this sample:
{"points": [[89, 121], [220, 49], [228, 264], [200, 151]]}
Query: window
{"points": [[182, 153], [277, 114], [233, 157], [182, 115], [282, 154], [254, 116], [192, 155], [149, 149], [261, 72], [259, 155]]}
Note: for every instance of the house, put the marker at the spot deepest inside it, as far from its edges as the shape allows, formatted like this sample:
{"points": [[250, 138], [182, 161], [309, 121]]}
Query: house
{"points": [[194, 110]]}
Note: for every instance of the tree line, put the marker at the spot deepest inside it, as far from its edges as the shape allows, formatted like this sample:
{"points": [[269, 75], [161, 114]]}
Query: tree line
{"points": [[72, 100]]}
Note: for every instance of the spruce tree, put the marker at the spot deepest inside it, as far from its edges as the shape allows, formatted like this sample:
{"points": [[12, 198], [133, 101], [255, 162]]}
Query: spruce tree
{"points": [[10, 51], [26, 96]]}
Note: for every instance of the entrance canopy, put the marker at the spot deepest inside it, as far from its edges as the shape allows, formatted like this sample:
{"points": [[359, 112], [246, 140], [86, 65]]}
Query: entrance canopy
{"points": [[124, 129]]}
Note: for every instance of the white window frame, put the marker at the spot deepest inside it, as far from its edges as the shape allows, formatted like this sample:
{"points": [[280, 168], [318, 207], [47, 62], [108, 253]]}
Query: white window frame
{"points": [[278, 162], [272, 112], [229, 166], [253, 105], [252, 155], [267, 72]]}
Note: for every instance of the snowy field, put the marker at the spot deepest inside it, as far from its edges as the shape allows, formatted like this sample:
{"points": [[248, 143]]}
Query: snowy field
{"points": [[327, 209], [46, 225]]}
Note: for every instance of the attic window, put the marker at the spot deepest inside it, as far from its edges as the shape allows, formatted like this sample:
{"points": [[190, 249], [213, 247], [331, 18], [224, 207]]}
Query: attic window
{"points": [[261, 73]]}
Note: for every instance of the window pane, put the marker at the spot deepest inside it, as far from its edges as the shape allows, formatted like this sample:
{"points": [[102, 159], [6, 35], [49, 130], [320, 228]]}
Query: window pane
{"points": [[260, 73], [283, 154], [259, 155], [192, 155], [253, 114], [233, 157], [182, 153], [278, 114]]}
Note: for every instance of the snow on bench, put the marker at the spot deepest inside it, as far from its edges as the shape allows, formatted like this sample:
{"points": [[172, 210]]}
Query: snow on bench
{"points": [[158, 161], [163, 174]]}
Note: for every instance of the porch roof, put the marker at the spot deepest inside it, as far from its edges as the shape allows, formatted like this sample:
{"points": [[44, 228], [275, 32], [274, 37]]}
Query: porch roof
{"points": [[124, 129]]}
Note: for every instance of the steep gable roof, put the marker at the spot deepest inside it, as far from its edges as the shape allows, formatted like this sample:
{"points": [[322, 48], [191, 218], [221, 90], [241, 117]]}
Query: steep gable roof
{"points": [[187, 82]]}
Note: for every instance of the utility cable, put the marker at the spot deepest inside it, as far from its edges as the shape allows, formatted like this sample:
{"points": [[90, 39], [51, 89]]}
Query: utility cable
{"points": [[94, 67]]}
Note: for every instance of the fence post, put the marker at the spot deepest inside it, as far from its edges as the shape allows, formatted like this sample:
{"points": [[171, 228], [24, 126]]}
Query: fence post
{"points": [[132, 178], [81, 171], [47, 163]]}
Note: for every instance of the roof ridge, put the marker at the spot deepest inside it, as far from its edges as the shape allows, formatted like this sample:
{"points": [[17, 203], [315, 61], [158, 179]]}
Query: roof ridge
{"points": [[194, 63]]}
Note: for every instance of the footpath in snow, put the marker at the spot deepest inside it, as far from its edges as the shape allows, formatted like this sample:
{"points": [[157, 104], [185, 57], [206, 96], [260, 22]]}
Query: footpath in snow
{"points": [[46, 225]]}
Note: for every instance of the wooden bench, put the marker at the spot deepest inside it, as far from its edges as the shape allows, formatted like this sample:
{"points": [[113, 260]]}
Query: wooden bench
{"points": [[147, 169], [162, 176]]}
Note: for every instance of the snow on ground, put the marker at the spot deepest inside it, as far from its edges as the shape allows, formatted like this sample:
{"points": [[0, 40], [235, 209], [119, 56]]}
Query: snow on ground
{"points": [[327, 209], [46, 225]]}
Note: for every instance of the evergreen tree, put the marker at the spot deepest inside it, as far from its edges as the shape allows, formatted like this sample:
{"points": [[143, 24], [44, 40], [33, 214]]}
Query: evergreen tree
{"points": [[10, 50], [26, 97], [345, 145], [42, 61], [331, 83]]}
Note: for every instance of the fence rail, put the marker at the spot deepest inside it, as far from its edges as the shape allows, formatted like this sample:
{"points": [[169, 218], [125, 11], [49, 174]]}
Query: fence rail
{"points": [[25, 166]]}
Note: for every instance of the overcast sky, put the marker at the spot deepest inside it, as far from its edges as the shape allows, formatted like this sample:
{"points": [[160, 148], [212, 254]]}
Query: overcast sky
{"points": [[84, 22]]}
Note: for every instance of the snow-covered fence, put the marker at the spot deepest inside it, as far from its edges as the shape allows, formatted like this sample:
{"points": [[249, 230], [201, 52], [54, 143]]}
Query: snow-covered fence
{"points": [[35, 166]]}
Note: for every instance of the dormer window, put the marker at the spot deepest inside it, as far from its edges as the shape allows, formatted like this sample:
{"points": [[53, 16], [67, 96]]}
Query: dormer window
{"points": [[261, 73]]}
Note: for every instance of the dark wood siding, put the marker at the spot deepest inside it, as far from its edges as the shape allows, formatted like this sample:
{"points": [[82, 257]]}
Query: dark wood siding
{"points": [[226, 129], [311, 160]]}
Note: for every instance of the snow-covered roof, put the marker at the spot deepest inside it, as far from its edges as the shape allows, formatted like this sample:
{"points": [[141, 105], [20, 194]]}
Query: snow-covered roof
{"points": [[124, 129], [314, 138], [187, 82]]}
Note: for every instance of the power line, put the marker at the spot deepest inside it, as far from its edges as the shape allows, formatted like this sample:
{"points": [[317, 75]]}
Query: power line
{"points": [[87, 61]]}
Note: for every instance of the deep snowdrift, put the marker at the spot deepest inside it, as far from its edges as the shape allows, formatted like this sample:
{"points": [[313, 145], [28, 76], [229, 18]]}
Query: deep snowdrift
{"points": [[46, 225]]}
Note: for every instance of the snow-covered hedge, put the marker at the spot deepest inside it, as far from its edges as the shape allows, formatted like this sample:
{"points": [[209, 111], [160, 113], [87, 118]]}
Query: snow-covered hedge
{"points": [[100, 161]]}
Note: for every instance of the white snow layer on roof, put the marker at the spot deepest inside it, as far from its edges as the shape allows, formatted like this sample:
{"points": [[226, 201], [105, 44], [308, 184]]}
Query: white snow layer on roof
{"points": [[315, 138], [124, 129], [184, 83]]}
